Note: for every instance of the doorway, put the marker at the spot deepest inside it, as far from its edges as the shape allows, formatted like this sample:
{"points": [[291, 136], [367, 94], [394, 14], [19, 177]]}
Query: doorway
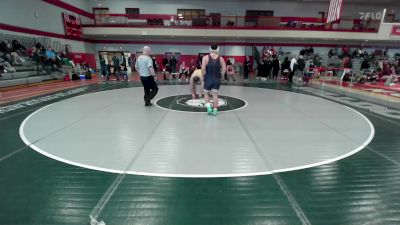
{"points": [[99, 14]]}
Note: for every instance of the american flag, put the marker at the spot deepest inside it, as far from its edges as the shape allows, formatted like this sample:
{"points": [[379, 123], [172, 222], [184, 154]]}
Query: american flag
{"points": [[335, 10]]}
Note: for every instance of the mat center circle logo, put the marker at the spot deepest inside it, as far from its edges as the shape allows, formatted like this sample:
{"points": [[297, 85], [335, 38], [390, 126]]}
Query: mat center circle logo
{"points": [[200, 102], [186, 103]]}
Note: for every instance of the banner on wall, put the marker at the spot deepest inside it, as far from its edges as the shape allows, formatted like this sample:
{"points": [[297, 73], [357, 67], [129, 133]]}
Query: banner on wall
{"points": [[72, 25], [395, 30]]}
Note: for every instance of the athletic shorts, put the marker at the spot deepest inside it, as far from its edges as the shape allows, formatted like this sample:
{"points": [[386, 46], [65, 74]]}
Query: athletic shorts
{"points": [[211, 84]]}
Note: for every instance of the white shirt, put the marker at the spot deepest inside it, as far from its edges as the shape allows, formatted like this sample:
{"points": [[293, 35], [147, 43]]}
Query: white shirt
{"points": [[143, 64], [292, 63]]}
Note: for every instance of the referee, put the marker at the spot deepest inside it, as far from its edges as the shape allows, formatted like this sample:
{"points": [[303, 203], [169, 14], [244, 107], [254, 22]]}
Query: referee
{"points": [[144, 65]]}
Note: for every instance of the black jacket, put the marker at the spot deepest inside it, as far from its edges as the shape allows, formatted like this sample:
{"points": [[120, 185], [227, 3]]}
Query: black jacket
{"points": [[285, 65]]}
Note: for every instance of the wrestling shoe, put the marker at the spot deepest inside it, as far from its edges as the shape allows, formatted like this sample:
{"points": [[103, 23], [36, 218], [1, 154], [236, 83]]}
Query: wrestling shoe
{"points": [[215, 112]]}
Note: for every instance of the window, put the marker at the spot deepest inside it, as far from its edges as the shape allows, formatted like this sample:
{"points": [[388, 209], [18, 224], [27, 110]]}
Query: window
{"points": [[259, 13], [99, 14], [188, 14], [132, 12], [252, 15]]}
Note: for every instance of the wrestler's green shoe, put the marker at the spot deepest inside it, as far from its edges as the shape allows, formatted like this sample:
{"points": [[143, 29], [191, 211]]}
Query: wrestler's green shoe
{"points": [[215, 112], [209, 110]]}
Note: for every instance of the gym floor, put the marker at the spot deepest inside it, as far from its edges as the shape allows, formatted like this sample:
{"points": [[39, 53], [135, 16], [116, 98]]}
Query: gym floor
{"points": [[274, 155]]}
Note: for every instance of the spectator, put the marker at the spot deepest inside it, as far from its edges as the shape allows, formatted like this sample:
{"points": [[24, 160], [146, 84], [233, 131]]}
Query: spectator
{"points": [[285, 66], [311, 51], [365, 65], [123, 72], [59, 58], [132, 61], [103, 66], [31, 52], [50, 55], [347, 62], [385, 52], [193, 66], [247, 68], [86, 70], [317, 65], [262, 70], [155, 65], [173, 63], [317, 61], [230, 71], [199, 61], [66, 65], [301, 64], [167, 67], [11, 56], [386, 67], [183, 70], [275, 67], [115, 60], [39, 45], [331, 53], [345, 50], [268, 67], [3, 47], [41, 55], [272, 51], [6, 66], [397, 68], [122, 61], [293, 67], [18, 48], [334, 62], [359, 53], [78, 69], [347, 66], [303, 51]]}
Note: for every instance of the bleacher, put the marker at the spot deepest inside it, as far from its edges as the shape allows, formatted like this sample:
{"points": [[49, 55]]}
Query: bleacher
{"points": [[30, 72]]}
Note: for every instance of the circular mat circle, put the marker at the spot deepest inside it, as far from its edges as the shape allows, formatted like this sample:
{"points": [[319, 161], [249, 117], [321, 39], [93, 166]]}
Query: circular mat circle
{"points": [[277, 131]]}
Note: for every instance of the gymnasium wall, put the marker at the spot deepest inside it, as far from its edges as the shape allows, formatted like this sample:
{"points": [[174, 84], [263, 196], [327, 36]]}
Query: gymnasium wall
{"points": [[237, 7], [32, 14], [40, 17], [81, 4]]}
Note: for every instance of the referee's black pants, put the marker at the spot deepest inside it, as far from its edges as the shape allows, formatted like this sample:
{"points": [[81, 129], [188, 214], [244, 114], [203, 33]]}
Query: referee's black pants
{"points": [[150, 88]]}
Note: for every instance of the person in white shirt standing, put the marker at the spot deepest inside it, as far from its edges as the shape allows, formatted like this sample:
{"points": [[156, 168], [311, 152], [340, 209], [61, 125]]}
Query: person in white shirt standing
{"points": [[144, 65], [293, 68]]}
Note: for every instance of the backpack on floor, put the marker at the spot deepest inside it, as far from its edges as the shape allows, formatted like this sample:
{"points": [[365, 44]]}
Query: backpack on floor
{"points": [[75, 76]]}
